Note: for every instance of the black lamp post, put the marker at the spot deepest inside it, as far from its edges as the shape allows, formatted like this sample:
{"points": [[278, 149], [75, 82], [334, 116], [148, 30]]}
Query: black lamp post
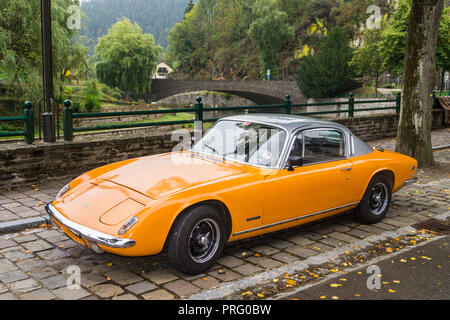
{"points": [[47, 62]]}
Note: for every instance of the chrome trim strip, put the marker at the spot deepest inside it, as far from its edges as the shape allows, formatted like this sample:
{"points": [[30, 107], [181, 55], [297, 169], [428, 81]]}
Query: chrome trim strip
{"points": [[412, 181], [95, 236], [294, 219]]}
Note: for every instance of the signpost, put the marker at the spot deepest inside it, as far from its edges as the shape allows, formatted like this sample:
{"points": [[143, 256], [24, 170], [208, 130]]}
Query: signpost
{"points": [[47, 62]]}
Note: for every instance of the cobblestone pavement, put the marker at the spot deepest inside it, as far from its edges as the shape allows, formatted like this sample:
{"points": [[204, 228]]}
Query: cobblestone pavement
{"points": [[37, 264]]}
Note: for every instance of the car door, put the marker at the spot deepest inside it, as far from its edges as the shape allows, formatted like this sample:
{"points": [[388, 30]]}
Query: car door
{"points": [[320, 184]]}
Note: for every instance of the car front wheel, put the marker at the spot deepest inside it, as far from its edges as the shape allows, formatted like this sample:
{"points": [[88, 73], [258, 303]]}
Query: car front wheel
{"points": [[196, 240], [376, 200]]}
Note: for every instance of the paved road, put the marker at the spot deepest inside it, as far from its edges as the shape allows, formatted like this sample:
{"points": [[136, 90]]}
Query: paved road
{"points": [[37, 264], [419, 273]]}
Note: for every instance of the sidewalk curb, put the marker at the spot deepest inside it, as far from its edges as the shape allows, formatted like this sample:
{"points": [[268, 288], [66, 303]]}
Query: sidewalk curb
{"points": [[445, 146], [233, 287], [20, 225]]}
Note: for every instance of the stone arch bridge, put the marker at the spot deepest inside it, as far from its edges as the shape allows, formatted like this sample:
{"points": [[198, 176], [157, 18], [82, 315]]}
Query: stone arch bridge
{"points": [[259, 92]]}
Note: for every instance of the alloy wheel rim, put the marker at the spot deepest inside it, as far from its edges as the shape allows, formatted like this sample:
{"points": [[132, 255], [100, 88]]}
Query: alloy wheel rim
{"points": [[378, 199], [204, 240]]}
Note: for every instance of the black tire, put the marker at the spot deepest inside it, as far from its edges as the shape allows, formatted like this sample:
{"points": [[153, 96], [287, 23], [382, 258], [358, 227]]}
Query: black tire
{"points": [[376, 200], [196, 240]]}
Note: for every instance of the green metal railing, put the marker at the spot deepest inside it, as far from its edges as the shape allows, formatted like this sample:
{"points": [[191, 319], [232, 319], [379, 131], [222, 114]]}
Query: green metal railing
{"points": [[28, 128], [443, 93], [199, 110]]}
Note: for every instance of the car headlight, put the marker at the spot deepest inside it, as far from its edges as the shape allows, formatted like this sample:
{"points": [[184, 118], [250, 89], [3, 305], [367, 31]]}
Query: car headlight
{"points": [[131, 222], [62, 191]]}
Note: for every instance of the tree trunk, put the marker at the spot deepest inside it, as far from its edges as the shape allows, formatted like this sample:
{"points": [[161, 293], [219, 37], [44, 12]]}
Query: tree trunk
{"points": [[419, 78]]}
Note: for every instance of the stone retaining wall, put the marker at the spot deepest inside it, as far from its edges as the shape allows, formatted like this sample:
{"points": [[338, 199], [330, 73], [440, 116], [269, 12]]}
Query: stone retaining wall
{"points": [[22, 164]]}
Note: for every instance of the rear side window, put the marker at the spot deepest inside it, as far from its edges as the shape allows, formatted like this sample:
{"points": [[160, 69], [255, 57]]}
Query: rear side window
{"points": [[323, 145]]}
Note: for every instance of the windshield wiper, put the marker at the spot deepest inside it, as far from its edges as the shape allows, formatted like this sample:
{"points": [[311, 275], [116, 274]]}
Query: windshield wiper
{"points": [[215, 151]]}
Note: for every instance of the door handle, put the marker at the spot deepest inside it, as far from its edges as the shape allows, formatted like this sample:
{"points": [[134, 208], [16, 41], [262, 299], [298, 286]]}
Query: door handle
{"points": [[346, 169]]}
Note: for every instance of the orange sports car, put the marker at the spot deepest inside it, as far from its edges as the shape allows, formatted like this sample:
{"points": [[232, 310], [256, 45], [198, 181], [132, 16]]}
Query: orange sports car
{"points": [[248, 175]]}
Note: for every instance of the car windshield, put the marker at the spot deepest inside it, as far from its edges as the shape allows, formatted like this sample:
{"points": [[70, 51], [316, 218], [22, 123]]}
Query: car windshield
{"points": [[242, 141]]}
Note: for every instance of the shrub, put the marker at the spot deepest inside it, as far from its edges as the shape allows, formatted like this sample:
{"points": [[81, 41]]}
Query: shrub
{"points": [[91, 103], [68, 91]]}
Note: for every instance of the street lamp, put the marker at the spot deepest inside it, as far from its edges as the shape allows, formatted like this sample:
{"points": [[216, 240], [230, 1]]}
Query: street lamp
{"points": [[47, 67]]}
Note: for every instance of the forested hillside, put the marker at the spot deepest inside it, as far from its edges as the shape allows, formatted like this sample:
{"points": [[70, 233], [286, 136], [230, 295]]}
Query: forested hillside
{"points": [[239, 39], [153, 16]]}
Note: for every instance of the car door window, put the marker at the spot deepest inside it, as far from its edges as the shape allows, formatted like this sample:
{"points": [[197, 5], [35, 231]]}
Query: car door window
{"points": [[297, 146], [322, 146]]}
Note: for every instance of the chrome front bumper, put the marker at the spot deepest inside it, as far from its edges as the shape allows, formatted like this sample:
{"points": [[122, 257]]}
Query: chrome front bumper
{"points": [[87, 233]]}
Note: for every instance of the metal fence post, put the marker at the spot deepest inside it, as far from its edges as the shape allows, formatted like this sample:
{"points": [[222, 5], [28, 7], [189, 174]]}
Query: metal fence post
{"points": [[68, 121], [28, 113], [199, 111], [287, 104], [398, 102], [351, 105]]}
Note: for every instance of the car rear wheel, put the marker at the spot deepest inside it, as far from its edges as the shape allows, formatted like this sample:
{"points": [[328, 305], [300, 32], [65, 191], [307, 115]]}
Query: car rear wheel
{"points": [[196, 240], [376, 200]]}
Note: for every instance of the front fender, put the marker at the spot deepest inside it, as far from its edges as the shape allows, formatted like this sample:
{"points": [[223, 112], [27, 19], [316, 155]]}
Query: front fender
{"points": [[155, 223]]}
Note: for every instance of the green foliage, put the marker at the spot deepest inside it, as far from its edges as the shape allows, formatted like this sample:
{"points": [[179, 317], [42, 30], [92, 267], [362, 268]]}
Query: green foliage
{"points": [[92, 88], [191, 39], [443, 42], [11, 126], [76, 107], [367, 60], [268, 19], [91, 97], [91, 103], [154, 16], [20, 49], [237, 39], [328, 73], [394, 37], [128, 58], [189, 7]]}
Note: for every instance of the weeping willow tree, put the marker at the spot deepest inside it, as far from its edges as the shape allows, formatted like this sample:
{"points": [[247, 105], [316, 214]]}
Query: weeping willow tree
{"points": [[127, 58]]}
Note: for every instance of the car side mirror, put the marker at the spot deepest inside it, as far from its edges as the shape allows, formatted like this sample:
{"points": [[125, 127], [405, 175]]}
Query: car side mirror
{"points": [[294, 161]]}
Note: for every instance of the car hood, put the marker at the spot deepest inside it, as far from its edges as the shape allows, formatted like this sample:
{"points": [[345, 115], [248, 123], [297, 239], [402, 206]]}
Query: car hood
{"points": [[161, 175]]}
